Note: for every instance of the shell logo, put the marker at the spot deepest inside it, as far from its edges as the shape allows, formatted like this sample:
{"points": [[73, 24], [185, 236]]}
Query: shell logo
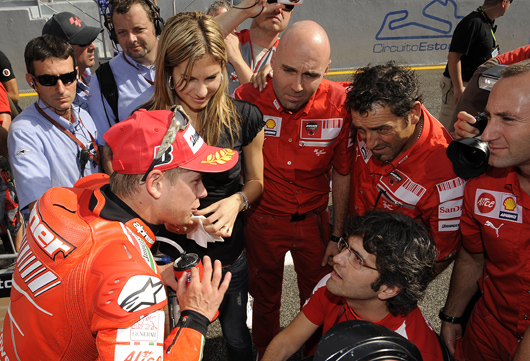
{"points": [[509, 204], [270, 124]]}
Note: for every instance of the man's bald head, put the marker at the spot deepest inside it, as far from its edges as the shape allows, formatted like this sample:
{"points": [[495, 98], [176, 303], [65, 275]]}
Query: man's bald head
{"points": [[306, 36], [300, 63]]}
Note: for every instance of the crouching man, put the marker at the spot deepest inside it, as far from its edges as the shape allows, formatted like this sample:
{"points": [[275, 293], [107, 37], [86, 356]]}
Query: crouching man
{"points": [[380, 273]]}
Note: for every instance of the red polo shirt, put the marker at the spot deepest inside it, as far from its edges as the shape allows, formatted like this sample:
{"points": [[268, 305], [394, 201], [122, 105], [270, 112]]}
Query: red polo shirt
{"points": [[420, 183], [324, 308], [496, 214], [300, 148]]}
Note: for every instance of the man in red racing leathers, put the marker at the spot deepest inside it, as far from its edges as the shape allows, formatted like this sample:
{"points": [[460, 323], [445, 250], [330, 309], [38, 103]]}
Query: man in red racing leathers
{"points": [[86, 286]]}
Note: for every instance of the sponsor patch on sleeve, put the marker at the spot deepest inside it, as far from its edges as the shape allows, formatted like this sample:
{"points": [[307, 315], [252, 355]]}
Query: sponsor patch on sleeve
{"points": [[144, 340], [449, 226], [450, 209], [273, 126], [498, 205], [451, 189]]}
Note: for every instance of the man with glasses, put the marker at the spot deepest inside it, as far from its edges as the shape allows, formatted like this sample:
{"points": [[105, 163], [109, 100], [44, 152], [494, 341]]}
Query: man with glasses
{"points": [[51, 143], [87, 287], [380, 272], [400, 162], [71, 28]]}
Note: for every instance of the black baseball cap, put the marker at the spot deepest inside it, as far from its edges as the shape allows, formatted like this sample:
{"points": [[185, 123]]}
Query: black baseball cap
{"points": [[71, 28]]}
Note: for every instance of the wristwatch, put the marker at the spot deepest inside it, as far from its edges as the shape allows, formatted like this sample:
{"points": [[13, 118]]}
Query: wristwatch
{"points": [[334, 238], [445, 318]]}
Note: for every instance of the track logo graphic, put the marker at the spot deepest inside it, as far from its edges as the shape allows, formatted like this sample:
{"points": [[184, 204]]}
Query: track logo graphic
{"points": [[432, 23]]}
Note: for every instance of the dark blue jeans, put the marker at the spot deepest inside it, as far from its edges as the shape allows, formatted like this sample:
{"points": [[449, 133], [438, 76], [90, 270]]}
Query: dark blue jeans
{"points": [[233, 312]]}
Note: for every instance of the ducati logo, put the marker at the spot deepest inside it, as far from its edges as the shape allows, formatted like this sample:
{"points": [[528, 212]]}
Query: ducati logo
{"points": [[311, 128]]}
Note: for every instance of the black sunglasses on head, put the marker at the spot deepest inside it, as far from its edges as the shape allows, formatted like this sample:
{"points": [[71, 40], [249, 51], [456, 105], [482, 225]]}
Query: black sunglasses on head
{"points": [[51, 80], [287, 7]]}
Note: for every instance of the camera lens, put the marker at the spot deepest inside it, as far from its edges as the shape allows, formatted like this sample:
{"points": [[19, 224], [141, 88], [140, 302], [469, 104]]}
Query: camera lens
{"points": [[469, 156], [473, 157]]}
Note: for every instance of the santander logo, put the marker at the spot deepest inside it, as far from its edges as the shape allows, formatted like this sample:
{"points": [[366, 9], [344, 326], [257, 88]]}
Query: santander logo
{"points": [[486, 203]]}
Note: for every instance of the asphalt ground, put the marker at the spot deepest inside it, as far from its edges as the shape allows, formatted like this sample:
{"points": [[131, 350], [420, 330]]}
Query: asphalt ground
{"points": [[215, 349]]}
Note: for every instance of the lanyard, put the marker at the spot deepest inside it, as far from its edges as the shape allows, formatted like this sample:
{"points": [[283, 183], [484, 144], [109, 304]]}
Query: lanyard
{"points": [[95, 158], [256, 68], [490, 22], [131, 64]]}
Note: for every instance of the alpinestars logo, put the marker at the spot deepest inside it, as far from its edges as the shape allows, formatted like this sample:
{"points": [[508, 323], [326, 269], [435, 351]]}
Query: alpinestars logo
{"points": [[134, 297]]}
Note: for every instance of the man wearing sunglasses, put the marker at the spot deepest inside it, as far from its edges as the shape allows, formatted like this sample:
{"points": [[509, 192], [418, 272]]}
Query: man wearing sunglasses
{"points": [[74, 30], [51, 143], [380, 273], [257, 44]]}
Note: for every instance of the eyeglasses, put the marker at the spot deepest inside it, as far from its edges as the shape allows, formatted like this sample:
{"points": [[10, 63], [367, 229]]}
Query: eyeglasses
{"points": [[175, 126], [354, 258], [287, 7], [51, 80]]}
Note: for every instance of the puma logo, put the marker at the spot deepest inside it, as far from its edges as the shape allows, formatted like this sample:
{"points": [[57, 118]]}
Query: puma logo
{"points": [[489, 224]]}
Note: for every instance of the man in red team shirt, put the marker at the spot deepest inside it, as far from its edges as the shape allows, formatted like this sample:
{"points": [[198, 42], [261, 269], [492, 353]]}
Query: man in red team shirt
{"points": [[400, 162], [494, 225], [381, 272], [306, 139]]}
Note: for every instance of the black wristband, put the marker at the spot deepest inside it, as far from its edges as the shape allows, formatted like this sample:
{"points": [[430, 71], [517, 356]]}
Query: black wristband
{"points": [[335, 239], [445, 318], [195, 320]]}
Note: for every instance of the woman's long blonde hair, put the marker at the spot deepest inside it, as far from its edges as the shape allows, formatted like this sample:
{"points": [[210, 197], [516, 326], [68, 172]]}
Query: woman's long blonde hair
{"points": [[190, 36]]}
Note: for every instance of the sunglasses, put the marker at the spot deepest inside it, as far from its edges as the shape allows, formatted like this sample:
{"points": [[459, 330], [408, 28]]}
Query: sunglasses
{"points": [[287, 7], [169, 138], [51, 80]]}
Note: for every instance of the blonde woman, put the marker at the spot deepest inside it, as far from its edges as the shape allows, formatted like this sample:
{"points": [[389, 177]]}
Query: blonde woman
{"points": [[191, 72]]}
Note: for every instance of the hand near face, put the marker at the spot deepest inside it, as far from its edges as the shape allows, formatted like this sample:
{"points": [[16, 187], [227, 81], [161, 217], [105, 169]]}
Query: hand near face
{"points": [[259, 79], [233, 50], [463, 127], [221, 221], [203, 296], [331, 251], [256, 8], [191, 226]]}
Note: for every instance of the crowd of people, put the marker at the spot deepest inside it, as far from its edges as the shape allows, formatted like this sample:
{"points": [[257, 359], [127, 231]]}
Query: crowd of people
{"points": [[197, 138]]}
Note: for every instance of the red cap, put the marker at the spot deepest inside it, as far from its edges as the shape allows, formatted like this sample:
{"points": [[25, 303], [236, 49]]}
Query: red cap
{"points": [[136, 140]]}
